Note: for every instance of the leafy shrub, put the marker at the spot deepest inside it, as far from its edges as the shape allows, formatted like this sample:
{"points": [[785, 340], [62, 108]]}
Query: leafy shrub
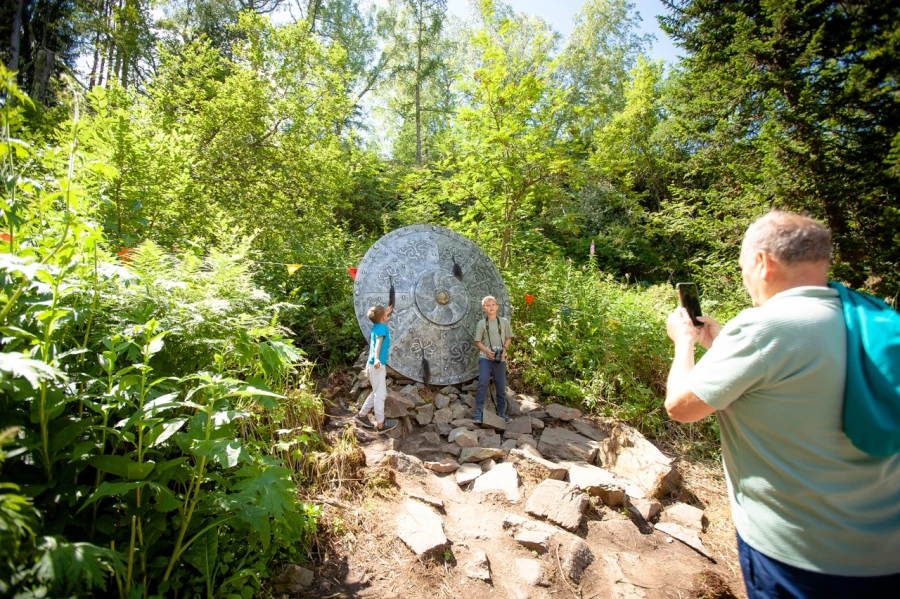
{"points": [[126, 386], [597, 343]]}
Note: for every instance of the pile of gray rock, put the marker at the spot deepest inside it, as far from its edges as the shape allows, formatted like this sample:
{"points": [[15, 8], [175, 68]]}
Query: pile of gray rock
{"points": [[562, 459]]}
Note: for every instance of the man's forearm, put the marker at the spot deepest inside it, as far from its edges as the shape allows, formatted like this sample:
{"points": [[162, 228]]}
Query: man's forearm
{"points": [[682, 364]]}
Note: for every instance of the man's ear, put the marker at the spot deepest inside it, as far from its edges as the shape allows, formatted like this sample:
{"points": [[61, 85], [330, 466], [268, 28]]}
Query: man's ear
{"points": [[767, 266]]}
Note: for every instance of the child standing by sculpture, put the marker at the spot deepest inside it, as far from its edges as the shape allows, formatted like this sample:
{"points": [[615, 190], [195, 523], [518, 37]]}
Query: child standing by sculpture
{"points": [[492, 337], [376, 369]]}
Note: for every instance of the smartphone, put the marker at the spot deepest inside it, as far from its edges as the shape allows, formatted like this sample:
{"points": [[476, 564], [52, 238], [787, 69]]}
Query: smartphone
{"points": [[689, 298]]}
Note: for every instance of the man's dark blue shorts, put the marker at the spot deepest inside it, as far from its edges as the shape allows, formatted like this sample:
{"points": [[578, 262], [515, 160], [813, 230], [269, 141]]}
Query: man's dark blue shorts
{"points": [[766, 578]]}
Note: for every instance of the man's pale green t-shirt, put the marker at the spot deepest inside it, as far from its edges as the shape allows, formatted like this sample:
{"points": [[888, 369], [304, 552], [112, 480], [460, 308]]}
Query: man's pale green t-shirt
{"points": [[800, 492]]}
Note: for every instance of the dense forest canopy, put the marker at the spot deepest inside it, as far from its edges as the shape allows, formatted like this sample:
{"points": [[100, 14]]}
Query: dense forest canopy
{"points": [[187, 181]]}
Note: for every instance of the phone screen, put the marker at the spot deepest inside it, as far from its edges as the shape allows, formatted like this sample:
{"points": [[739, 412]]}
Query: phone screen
{"points": [[689, 298]]}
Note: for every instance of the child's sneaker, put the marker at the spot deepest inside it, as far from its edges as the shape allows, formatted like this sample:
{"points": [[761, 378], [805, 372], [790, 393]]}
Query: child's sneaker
{"points": [[477, 418], [387, 425], [363, 420]]}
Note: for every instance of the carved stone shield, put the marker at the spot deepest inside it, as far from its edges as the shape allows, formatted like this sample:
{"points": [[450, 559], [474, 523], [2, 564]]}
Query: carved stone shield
{"points": [[435, 312]]}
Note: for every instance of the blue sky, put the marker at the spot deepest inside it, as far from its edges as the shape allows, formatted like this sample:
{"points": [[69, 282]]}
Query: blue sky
{"points": [[561, 15]]}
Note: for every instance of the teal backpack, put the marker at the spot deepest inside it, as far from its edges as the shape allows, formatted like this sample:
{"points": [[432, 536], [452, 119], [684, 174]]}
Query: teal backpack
{"points": [[872, 394]]}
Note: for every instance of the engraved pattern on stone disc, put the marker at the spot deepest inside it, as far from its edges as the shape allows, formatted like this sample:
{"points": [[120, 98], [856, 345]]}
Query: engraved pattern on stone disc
{"points": [[435, 313]]}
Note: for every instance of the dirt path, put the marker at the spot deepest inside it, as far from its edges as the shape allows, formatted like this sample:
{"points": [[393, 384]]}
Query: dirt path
{"points": [[628, 556]]}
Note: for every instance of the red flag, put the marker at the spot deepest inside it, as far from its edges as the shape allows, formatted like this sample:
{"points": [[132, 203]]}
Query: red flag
{"points": [[5, 237], [528, 299], [352, 272], [124, 255]]}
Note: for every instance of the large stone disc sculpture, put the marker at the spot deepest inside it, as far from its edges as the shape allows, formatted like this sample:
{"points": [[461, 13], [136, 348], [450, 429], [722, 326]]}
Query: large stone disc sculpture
{"points": [[435, 311]]}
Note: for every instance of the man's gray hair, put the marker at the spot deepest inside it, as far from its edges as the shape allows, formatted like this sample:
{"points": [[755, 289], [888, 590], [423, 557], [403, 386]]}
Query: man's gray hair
{"points": [[790, 238]]}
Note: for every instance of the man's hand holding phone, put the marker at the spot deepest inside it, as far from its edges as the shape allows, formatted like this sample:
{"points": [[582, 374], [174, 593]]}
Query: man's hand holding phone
{"points": [[708, 333]]}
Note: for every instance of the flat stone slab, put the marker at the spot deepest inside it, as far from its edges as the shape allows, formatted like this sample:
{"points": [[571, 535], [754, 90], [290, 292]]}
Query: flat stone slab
{"points": [[537, 424], [451, 448], [531, 572], [444, 416], [420, 528], [425, 498], [490, 441], [459, 410], [528, 403], [599, 483], [685, 515], [503, 478], [562, 412], [577, 558], [588, 431], [408, 464], [563, 444], [479, 454], [441, 401], [519, 425], [467, 473], [479, 567], [535, 468], [685, 535], [646, 508], [424, 414], [526, 440], [456, 432], [557, 501], [444, 466], [465, 423], [493, 421], [627, 454], [535, 540], [397, 405]]}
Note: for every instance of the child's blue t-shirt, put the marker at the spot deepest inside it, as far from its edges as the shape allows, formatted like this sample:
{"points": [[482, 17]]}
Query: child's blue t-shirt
{"points": [[379, 330]]}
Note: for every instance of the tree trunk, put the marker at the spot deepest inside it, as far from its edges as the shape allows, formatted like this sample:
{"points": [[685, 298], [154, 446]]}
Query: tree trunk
{"points": [[43, 66], [418, 88], [506, 238], [15, 38]]}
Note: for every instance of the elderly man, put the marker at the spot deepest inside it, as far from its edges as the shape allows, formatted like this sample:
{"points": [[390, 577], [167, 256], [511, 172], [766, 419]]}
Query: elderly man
{"points": [[815, 516]]}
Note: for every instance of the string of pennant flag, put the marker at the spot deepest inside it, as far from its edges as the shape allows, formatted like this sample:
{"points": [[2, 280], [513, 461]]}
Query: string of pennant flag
{"points": [[125, 255], [529, 299]]}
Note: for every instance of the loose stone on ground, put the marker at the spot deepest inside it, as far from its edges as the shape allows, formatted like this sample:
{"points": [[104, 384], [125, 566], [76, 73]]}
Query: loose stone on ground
{"points": [[444, 466], [479, 568], [531, 571], [599, 483], [557, 501], [467, 473], [503, 478], [626, 453], [563, 444], [562, 412], [685, 515], [420, 528]]}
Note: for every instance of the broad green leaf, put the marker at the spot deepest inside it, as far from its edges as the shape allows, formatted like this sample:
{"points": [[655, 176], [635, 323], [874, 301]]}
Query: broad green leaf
{"points": [[169, 428], [15, 364], [140, 471], [67, 435], [203, 553], [113, 464], [225, 452], [107, 489]]}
